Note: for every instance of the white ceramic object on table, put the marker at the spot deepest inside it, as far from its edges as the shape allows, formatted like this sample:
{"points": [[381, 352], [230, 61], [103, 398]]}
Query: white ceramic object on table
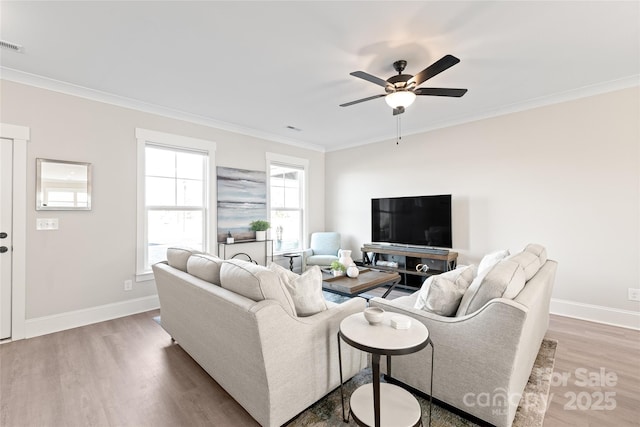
{"points": [[352, 271], [344, 258], [374, 315]]}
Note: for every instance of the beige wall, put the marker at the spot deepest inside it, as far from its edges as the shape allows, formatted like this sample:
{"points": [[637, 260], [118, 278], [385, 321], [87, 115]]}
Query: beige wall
{"points": [[84, 263], [566, 176]]}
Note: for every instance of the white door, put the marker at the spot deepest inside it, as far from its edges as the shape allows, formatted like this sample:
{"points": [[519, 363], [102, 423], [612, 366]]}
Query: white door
{"points": [[6, 209]]}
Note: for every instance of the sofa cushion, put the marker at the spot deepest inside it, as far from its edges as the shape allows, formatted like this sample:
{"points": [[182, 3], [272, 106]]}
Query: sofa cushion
{"points": [[538, 250], [305, 289], [255, 282], [321, 259], [205, 267], [505, 279], [441, 294], [529, 262], [177, 257]]}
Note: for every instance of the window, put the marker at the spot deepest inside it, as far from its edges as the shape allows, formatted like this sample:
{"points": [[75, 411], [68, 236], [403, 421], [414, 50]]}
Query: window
{"points": [[287, 202], [174, 196]]}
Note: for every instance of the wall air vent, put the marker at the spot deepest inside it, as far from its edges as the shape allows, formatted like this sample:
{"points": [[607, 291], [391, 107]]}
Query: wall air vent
{"points": [[11, 46]]}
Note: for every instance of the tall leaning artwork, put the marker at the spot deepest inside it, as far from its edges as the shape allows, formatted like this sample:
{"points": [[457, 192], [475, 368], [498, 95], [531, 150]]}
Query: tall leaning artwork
{"points": [[242, 198]]}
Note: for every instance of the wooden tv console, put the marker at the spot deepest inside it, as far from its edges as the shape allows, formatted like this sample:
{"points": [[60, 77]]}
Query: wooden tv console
{"points": [[408, 257]]}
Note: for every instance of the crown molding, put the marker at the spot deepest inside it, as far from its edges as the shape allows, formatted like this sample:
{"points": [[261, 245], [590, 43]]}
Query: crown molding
{"points": [[35, 80], [95, 95]]}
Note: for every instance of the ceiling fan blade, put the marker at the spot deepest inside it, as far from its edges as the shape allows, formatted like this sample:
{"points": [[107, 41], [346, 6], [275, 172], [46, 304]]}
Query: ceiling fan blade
{"points": [[362, 100], [398, 110], [436, 91], [368, 77], [434, 69]]}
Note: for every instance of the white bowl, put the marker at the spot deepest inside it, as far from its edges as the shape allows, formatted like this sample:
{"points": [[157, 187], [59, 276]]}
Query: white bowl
{"points": [[373, 315]]}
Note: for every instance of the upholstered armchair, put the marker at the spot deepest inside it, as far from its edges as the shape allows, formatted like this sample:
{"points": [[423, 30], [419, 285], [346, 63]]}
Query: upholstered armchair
{"points": [[323, 249]]}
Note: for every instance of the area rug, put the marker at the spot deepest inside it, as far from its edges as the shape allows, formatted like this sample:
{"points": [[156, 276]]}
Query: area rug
{"points": [[533, 405]]}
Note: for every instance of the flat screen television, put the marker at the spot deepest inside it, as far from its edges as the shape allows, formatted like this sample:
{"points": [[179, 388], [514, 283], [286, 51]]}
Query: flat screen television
{"points": [[419, 220]]}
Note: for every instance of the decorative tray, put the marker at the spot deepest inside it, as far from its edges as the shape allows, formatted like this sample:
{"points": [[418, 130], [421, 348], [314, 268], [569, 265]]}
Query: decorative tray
{"points": [[332, 278]]}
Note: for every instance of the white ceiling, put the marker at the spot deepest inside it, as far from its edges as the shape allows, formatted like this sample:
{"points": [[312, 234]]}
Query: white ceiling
{"points": [[258, 67]]}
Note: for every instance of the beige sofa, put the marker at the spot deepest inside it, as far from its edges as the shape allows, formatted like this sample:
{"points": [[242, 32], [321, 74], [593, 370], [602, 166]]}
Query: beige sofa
{"points": [[483, 359], [272, 362]]}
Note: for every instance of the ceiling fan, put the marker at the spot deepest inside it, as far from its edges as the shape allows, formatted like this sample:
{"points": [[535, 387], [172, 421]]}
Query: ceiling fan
{"points": [[401, 89]]}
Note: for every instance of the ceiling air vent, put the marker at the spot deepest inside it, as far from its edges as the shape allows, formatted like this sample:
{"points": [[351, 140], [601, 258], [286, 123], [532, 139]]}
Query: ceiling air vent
{"points": [[11, 46]]}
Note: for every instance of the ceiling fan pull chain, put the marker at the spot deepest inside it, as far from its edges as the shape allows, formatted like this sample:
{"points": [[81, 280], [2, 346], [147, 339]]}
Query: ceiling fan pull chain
{"points": [[398, 130]]}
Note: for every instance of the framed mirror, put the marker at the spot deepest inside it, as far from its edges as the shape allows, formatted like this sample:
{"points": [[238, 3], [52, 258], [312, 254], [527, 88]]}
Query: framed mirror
{"points": [[62, 185]]}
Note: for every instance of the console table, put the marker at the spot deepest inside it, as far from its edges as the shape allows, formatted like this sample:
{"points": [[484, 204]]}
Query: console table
{"points": [[241, 247], [408, 257], [376, 404]]}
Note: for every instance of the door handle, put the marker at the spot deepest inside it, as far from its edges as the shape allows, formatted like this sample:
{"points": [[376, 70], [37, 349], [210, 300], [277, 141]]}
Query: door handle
{"points": [[3, 235], [3, 249]]}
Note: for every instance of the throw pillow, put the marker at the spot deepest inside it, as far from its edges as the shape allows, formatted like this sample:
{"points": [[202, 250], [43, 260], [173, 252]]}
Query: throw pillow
{"points": [[421, 301], [504, 280], [205, 267], [305, 289], [177, 257], [441, 294], [487, 263], [491, 259]]}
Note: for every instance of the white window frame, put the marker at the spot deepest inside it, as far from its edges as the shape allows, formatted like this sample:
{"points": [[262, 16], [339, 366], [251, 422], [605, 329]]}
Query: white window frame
{"points": [[295, 162], [144, 137]]}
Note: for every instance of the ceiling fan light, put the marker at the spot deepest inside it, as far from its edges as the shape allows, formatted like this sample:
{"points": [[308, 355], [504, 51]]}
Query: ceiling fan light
{"points": [[401, 98]]}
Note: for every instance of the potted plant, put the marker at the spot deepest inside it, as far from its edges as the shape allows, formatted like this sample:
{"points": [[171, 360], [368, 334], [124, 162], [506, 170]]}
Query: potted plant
{"points": [[260, 226], [338, 268]]}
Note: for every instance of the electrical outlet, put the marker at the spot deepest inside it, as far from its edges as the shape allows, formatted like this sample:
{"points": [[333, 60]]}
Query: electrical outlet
{"points": [[128, 285], [46, 223], [634, 294]]}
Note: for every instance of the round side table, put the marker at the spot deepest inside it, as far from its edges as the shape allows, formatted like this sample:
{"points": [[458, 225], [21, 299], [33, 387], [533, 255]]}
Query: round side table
{"points": [[291, 257], [376, 404]]}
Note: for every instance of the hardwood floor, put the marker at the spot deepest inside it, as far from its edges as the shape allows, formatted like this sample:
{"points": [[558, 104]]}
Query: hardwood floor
{"points": [[127, 372], [124, 372], [596, 378]]}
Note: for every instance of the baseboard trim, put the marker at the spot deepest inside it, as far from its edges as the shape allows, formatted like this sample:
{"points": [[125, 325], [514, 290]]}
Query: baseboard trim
{"points": [[596, 313], [73, 319]]}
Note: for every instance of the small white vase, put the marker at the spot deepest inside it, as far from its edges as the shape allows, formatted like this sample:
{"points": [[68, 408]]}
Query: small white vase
{"points": [[261, 235], [344, 258], [337, 273], [353, 271]]}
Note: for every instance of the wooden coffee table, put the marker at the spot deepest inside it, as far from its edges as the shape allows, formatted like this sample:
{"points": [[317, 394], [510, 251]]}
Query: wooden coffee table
{"points": [[367, 279]]}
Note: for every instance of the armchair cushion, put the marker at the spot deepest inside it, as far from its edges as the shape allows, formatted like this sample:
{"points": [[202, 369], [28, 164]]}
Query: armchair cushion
{"points": [[321, 259], [325, 243]]}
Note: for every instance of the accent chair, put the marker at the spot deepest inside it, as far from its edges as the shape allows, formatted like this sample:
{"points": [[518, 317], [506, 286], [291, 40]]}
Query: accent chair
{"points": [[323, 249]]}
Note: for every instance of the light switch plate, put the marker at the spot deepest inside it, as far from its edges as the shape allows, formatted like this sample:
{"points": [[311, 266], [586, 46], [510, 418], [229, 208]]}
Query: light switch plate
{"points": [[46, 223]]}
